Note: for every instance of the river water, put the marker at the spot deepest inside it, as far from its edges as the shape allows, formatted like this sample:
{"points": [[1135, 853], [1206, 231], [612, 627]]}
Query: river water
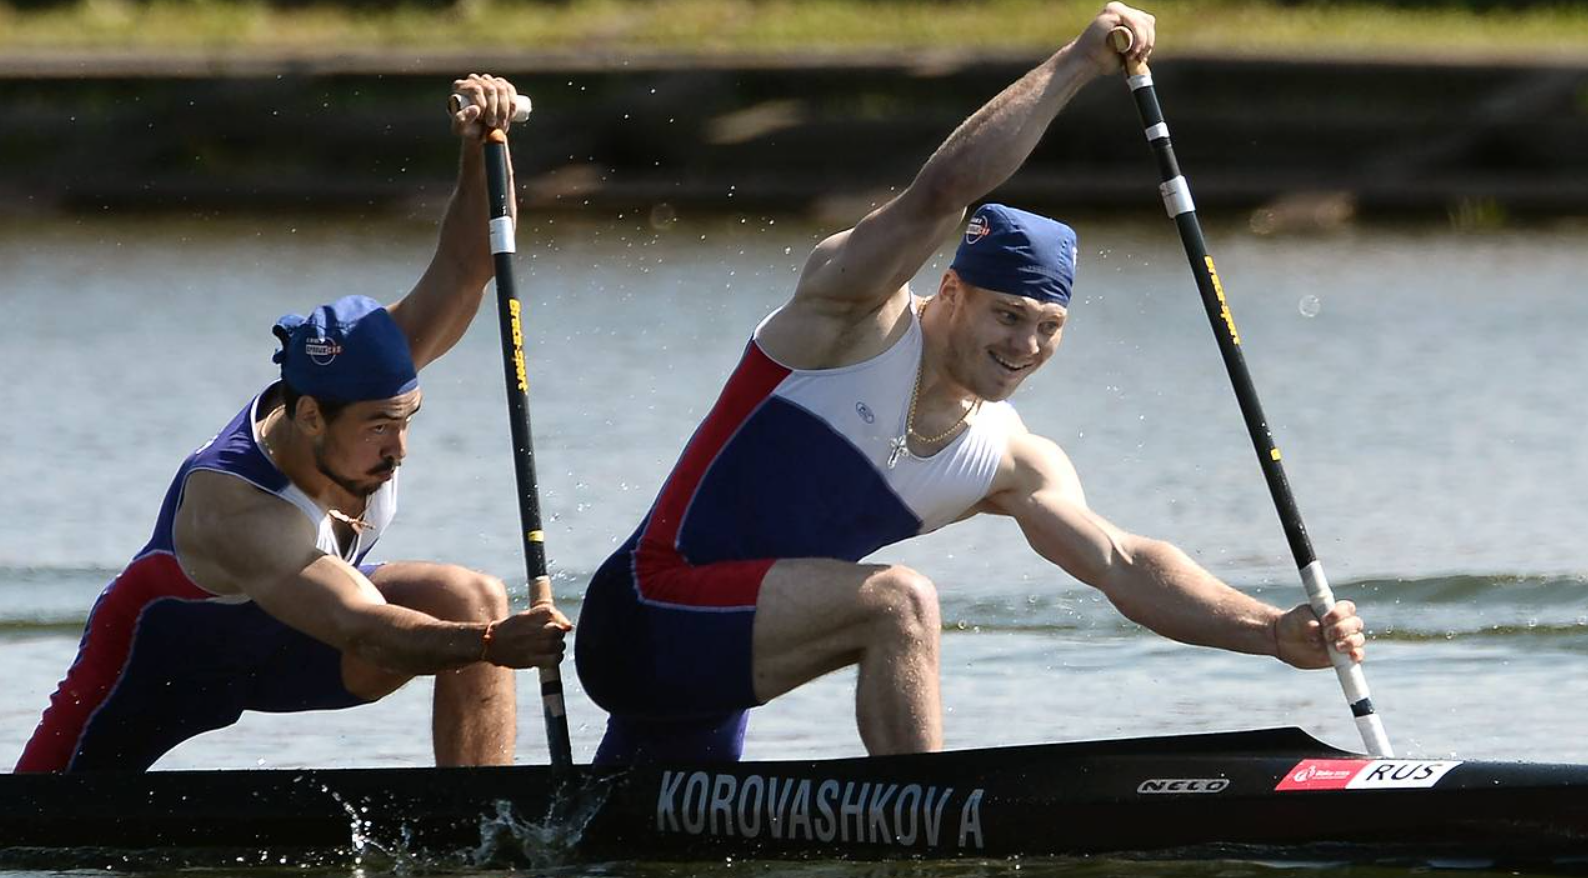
{"points": [[1425, 385]]}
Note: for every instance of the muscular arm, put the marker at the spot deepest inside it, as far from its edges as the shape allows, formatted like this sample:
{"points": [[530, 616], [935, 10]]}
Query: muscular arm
{"points": [[1150, 581], [232, 538], [856, 271], [438, 310]]}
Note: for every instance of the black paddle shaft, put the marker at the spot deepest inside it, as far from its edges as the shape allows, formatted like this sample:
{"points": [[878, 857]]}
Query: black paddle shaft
{"points": [[1177, 201], [509, 314]]}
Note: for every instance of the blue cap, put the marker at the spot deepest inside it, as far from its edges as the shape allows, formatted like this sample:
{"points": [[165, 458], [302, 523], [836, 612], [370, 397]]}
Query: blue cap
{"points": [[1012, 251], [348, 351]]}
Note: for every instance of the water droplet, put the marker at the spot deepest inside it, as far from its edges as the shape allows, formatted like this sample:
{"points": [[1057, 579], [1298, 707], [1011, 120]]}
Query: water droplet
{"points": [[1310, 306]]}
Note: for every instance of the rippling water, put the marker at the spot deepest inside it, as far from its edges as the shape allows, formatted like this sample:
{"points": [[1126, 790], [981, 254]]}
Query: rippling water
{"points": [[1425, 387]]}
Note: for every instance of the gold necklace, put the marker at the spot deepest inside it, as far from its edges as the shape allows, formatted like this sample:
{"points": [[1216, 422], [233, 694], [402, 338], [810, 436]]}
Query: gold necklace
{"points": [[930, 440], [901, 444]]}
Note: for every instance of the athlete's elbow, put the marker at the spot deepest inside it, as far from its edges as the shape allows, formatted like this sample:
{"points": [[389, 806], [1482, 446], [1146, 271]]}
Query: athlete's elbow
{"points": [[1129, 563], [383, 654], [940, 189], [353, 637], [368, 639]]}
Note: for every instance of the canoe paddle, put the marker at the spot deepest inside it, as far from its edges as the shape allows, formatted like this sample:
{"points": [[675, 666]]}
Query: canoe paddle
{"points": [[1177, 201], [510, 319]]}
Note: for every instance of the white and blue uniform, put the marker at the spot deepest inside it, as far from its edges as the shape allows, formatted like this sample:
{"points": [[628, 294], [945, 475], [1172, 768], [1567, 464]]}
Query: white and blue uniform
{"points": [[789, 463], [162, 659]]}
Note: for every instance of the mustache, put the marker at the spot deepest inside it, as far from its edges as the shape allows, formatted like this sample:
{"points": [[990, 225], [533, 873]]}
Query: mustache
{"points": [[387, 468]]}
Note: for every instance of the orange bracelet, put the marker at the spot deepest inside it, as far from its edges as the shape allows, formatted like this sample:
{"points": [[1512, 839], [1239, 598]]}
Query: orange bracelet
{"points": [[485, 640]]}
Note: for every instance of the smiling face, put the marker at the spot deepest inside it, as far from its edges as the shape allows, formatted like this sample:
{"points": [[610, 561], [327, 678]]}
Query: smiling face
{"points": [[361, 447], [995, 340]]}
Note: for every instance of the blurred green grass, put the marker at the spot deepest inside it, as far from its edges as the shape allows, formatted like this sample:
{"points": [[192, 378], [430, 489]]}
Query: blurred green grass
{"points": [[1264, 28]]}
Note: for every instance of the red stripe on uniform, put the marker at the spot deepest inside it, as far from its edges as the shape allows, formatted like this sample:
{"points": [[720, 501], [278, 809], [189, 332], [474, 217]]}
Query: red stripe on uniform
{"points": [[720, 585], [663, 574], [103, 655]]}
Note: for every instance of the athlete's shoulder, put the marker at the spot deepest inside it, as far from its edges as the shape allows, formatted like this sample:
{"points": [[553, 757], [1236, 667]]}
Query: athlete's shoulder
{"points": [[234, 450], [807, 333], [1034, 463], [229, 531], [1003, 417]]}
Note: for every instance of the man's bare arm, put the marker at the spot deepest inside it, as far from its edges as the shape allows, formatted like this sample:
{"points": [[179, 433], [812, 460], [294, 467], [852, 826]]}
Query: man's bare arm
{"points": [[437, 312], [1150, 581], [855, 271], [235, 539]]}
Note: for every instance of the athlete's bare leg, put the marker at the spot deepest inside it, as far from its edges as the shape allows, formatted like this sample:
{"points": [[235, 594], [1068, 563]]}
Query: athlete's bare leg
{"points": [[474, 719], [815, 616]]}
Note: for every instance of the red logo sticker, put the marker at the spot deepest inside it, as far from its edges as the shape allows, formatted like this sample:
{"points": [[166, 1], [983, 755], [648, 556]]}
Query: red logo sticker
{"points": [[1322, 774]]}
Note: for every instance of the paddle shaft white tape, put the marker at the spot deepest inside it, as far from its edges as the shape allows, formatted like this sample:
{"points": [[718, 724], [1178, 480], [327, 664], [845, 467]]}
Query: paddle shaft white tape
{"points": [[502, 239], [1352, 681], [1176, 197], [522, 106]]}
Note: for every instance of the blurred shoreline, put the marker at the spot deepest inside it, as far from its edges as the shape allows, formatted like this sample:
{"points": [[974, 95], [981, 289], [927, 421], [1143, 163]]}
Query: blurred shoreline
{"points": [[1299, 142]]}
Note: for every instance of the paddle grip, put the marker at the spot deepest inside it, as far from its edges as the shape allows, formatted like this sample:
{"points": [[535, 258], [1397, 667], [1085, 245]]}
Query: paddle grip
{"points": [[521, 106], [540, 592], [1320, 597], [1122, 39], [551, 697]]}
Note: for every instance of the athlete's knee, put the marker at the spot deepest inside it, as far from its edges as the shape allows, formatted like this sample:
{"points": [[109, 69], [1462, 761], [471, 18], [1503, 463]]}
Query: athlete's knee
{"points": [[465, 595], [904, 602]]}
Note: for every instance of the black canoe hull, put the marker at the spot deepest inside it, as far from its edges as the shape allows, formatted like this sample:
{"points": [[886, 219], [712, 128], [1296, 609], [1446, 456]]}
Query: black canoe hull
{"points": [[1273, 793]]}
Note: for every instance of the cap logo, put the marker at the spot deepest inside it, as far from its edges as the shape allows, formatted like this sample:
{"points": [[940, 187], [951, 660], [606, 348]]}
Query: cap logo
{"points": [[977, 229], [321, 350]]}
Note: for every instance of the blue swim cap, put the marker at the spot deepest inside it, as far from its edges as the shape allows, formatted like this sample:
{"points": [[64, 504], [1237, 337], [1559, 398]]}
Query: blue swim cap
{"points": [[1012, 251], [348, 351]]}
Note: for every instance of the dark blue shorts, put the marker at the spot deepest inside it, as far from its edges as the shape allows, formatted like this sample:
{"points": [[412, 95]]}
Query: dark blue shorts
{"points": [[673, 669], [159, 664]]}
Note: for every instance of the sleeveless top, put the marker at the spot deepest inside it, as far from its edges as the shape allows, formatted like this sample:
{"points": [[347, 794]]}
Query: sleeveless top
{"points": [[235, 451], [794, 463]]}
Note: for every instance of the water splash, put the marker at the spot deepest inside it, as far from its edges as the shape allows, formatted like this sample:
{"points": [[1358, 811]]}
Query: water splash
{"points": [[358, 826], [506, 838]]}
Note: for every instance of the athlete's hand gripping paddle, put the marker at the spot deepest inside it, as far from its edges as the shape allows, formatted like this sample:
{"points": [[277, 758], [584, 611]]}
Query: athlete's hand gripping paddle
{"points": [[521, 106], [1177, 201], [510, 319]]}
